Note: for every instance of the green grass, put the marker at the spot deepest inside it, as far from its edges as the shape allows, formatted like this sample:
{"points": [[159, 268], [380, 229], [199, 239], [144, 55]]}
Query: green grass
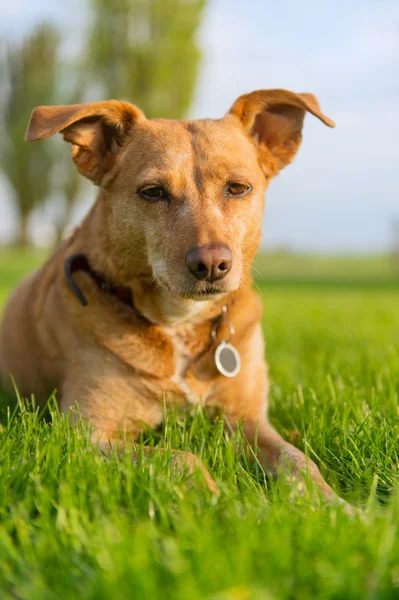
{"points": [[278, 266], [74, 524]]}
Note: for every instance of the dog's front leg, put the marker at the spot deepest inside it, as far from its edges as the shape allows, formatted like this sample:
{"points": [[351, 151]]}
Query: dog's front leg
{"points": [[185, 463], [111, 399], [279, 456], [182, 462]]}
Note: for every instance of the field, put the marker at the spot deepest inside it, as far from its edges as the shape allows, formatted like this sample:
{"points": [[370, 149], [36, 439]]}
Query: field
{"points": [[74, 524]]}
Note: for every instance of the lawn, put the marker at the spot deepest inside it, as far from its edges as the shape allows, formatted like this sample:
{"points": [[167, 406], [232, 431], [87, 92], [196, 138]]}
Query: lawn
{"points": [[74, 524]]}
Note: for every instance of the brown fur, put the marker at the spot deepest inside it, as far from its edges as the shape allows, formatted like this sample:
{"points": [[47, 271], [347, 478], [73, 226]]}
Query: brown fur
{"points": [[121, 366]]}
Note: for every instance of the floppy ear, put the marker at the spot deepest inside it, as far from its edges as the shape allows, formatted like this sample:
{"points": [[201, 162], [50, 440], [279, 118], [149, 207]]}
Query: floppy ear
{"points": [[96, 132], [274, 119]]}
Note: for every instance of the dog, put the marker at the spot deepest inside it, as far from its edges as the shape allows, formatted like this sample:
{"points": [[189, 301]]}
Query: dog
{"points": [[150, 300]]}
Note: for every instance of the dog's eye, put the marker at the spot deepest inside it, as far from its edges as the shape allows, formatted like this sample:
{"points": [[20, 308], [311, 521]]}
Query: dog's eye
{"points": [[154, 193], [237, 189]]}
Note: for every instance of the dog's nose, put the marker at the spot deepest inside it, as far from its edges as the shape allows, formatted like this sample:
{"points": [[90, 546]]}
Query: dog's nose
{"points": [[210, 262]]}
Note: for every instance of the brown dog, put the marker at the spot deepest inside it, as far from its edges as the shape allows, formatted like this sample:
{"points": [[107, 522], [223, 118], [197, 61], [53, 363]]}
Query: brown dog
{"points": [[135, 308]]}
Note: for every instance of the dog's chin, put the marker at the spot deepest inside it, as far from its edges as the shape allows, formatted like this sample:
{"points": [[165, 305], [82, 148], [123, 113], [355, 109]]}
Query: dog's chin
{"points": [[199, 293], [206, 294]]}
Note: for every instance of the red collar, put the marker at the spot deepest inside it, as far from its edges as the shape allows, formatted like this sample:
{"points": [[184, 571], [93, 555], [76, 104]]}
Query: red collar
{"points": [[79, 262]]}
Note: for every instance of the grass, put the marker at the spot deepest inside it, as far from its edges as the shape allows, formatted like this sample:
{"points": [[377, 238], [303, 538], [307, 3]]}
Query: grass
{"points": [[276, 266], [77, 524]]}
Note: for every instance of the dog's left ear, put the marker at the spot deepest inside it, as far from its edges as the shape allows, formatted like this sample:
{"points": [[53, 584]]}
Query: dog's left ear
{"points": [[274, 120]]}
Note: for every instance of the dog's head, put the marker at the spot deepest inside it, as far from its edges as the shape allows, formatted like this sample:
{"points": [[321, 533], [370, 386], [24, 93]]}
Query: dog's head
{"points": [[182, 201]]}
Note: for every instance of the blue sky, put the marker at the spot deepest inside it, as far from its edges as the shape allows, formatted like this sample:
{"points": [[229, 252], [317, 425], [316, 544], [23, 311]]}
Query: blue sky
{"points": [[342, 192]]}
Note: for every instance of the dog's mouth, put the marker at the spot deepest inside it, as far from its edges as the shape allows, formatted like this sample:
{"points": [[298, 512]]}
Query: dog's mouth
{"points": [[203, 293]]}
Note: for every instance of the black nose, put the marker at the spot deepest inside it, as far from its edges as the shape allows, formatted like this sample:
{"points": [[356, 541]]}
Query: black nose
{"points": [[210, 262]]}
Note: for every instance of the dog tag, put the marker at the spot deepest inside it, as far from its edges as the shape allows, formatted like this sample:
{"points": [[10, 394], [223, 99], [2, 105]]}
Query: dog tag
{"points": [[227, 360]]}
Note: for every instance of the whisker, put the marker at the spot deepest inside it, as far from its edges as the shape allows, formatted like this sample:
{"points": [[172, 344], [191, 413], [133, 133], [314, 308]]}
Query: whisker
{"points": [[254, 268]]}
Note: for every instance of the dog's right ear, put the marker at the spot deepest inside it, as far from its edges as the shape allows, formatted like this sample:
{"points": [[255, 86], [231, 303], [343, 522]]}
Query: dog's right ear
{"points": [[96, 131]]}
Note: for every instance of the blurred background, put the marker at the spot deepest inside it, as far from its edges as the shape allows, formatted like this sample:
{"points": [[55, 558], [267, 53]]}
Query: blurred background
{"points": [[333, 214]]}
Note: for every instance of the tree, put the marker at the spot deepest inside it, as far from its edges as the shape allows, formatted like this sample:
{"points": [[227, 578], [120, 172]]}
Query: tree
{"points": [[145, 51], [29, 68]]}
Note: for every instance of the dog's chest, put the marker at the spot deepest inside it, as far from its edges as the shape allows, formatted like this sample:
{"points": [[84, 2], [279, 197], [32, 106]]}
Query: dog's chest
{"points": [[188, 348]]}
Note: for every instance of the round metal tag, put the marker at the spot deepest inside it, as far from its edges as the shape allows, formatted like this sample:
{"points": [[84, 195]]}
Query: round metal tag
{"points": [[227, 360]]}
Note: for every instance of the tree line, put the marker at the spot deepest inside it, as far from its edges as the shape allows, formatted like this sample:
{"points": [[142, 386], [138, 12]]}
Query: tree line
{"points": [[144, 51]]}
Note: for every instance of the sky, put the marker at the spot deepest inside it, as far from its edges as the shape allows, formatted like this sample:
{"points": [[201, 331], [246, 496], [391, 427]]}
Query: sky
{"points": [[341, 195]]}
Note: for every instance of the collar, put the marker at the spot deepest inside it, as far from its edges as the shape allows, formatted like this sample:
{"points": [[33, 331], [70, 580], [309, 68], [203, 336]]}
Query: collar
{"points": [[80, 262]]}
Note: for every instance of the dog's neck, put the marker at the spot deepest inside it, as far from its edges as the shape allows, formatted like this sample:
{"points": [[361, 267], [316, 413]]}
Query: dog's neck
{"points": [[162, 307]]}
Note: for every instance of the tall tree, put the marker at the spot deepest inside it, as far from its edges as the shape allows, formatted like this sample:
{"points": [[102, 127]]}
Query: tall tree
{"points": [[145, 51], [29, 70]]}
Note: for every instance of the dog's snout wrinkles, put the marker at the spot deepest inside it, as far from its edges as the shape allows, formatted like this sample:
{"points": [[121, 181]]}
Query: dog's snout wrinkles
{"points": [[209, 263]]}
